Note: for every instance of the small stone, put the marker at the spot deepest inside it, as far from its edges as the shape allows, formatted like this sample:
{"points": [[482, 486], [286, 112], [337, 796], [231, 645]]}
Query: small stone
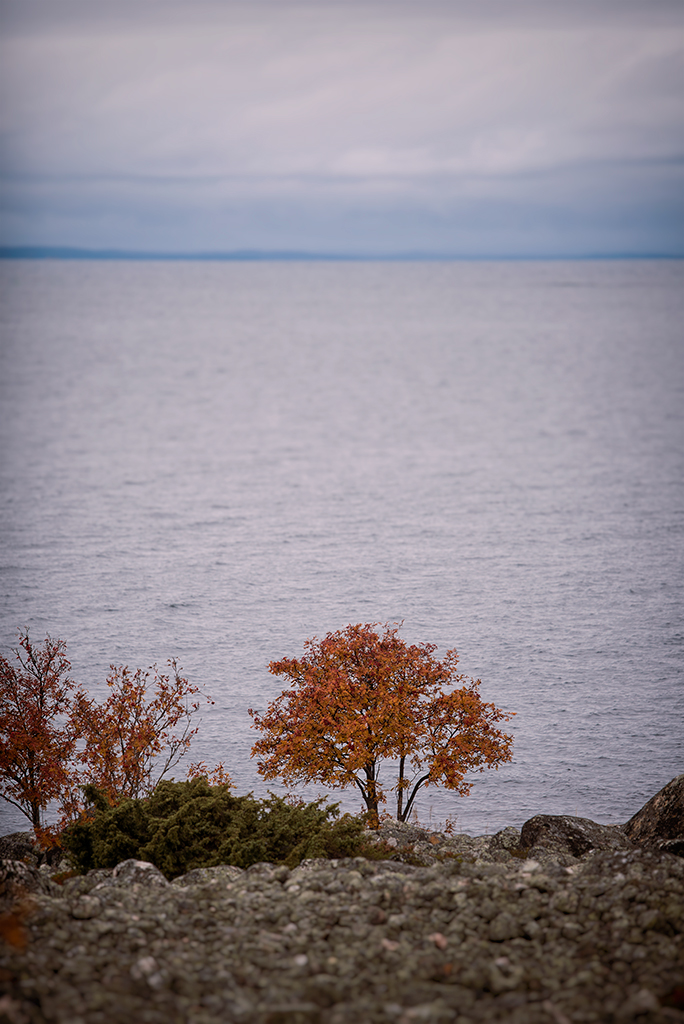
{"points": [[147, 968], [86, 907], [530, 866], [504, 976], [142, 968], [504, 926], [566, 901], [648, 919], [642, 1001], [141, 872]]}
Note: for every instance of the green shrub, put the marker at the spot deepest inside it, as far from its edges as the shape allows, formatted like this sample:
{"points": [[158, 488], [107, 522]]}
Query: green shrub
{"points": [[186, 825]]}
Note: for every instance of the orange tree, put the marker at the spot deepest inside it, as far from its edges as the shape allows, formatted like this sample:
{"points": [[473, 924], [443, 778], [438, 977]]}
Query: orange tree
{"points": [[139, 733], [37, 732], [362, 696]]}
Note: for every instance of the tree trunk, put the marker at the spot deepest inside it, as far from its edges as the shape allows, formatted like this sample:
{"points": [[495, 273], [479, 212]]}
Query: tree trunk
{"points": [[400, 789], [35, 815], [414, 792], [372, 797], [34, 802]]}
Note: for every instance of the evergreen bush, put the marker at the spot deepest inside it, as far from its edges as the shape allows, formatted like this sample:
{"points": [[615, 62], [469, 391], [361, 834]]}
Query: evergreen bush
{"points": [[186, 825]]}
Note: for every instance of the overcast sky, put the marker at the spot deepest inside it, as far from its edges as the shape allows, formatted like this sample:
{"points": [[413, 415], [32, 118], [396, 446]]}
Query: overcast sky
{"points": [[546, 127]]}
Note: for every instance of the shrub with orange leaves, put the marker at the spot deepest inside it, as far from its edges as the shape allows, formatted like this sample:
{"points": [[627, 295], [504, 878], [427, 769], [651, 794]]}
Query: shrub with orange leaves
{"points": [[362, 696]]}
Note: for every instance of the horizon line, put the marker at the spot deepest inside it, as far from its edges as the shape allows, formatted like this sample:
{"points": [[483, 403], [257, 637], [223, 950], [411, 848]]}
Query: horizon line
{"points": [[38, 252]]}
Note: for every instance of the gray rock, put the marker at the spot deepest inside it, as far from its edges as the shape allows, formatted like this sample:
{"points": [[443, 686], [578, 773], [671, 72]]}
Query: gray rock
{"points": [[86, 907], [18, 879], [23, 846], [18, 846], [674, 846], [199, 876], [137, 872], [660, 822], [503, 926], [350, 941], [567, 920], [576, 836], [507, 840]]}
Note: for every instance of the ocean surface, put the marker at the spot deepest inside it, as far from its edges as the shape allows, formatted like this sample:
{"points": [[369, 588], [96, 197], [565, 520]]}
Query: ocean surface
{"points": [[215, 461]]}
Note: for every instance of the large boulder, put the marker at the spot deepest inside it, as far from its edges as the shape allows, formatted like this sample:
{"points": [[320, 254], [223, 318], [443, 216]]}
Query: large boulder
{"points": [[18, 846], [562, 833], [23, 846], [18, 880], [660, 822]]}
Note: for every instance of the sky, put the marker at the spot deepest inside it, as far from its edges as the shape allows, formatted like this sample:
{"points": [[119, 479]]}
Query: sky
{"points": [[467, 128]]}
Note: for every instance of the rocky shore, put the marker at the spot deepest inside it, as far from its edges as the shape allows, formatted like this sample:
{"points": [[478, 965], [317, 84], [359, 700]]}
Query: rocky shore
{"points": [[566, 921]]}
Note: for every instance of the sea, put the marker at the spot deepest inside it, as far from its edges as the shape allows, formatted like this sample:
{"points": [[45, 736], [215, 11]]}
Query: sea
{"points": [[214, 461]]}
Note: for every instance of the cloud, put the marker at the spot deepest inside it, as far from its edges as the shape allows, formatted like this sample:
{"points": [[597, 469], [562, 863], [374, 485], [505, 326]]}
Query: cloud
{"points": [[156, 112]]}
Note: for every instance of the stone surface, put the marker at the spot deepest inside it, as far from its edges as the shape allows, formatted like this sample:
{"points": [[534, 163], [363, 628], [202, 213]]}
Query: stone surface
{"points": [[462, 941], [18, 879], [660, 822], [508, 839], [576, 836], [17, 846], [132, 872], [23, 846], [425, 847], [564, 922]]}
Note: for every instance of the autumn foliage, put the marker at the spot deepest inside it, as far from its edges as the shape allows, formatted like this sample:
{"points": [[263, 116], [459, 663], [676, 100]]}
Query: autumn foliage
{"points": [[362, 696], [37, 733], [125, 735], [55, 738]]}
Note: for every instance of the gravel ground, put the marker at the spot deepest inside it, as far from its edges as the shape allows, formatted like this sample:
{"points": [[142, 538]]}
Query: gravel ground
{"points": [[483, 931]]}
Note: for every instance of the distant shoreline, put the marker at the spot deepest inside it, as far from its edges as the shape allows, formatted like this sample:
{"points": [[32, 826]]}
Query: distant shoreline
{"points": [[40, 252]]}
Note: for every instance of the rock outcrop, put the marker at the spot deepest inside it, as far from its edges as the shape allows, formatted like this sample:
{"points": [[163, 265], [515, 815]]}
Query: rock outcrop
{"points": [[355, 942], [561, 833], [564, 921], [660, 822]]}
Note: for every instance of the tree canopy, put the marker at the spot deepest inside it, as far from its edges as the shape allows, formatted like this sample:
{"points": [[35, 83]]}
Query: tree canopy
{"points": [[362, 696], [37, 733], [147, 714]]}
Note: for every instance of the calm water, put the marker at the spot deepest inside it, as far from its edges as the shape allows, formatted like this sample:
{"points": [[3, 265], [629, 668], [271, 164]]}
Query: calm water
{"points": [[216, 461]]}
